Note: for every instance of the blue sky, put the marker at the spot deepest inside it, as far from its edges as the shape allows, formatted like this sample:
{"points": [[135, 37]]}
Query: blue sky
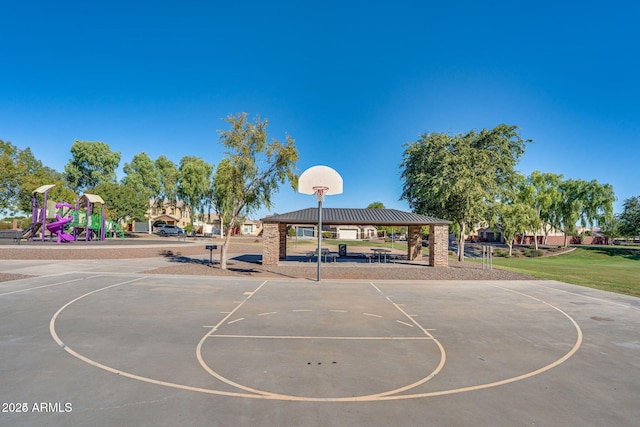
{"points": [[351, 82]]}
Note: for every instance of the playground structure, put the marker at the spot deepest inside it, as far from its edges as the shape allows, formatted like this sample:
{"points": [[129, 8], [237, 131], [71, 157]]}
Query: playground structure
{"points": [[84, 221]]}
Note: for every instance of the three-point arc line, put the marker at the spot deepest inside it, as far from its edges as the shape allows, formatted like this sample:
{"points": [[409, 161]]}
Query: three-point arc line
{"points": [[390, 395]]}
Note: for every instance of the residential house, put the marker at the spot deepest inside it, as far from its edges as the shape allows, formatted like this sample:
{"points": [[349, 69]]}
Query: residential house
{"points": [[550, 236], [341, 232], [178, 214], [251, 228]]}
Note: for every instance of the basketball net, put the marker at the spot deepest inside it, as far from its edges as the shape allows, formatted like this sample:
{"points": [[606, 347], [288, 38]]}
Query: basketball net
{"points": [[320, 192]]}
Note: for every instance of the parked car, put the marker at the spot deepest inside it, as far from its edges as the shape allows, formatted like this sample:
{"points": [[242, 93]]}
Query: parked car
{"points": [[397, 236], [168, 230]]}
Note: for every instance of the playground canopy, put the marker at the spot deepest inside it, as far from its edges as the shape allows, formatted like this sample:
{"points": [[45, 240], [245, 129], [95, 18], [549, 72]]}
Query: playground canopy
{"points": [[92, 198], [43, 189]]}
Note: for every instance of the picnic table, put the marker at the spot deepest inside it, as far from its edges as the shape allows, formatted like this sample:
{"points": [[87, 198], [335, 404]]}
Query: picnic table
{"points": [[325, 253], [381, 253]]}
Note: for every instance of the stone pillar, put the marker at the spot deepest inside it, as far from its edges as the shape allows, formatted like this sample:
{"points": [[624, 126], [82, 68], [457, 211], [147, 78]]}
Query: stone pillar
{"points": [[270, 243], [414, 242], [282, 233], [439, 245]]}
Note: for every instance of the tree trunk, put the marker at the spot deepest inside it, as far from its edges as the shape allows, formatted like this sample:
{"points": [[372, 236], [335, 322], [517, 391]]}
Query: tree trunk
{"points": [[461, 243], [224, 249], [535, 239], [510, 244], [566, 239]]}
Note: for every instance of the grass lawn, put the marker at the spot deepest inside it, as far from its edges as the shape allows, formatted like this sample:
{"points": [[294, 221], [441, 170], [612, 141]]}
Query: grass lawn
{"points": [[611, 269]]}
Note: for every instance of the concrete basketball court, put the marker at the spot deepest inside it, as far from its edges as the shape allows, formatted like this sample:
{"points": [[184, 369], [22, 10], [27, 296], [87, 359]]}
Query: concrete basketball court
{"points": [[103, 348]]}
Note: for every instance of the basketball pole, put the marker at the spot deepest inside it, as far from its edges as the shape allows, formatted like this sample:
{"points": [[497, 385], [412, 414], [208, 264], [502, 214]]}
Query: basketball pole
{"points": [[321, 181], [319, 236]]}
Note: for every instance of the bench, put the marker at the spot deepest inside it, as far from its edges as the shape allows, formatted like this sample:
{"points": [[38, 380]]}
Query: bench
{"points": [[16, 235], [395, 257]]}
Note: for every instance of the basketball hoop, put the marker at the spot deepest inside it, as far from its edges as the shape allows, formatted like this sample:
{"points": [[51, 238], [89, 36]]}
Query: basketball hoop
{"points": [[321, 181], [320, 191]]}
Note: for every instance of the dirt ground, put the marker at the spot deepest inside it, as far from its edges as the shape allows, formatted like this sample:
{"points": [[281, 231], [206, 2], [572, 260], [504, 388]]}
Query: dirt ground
{"points": [[191, 258]]}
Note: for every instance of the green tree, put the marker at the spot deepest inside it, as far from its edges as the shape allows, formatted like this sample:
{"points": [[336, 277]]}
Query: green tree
{"points": [[597, 207], [122, 203], [586, 202], [92, 163], [194, 184], [513, 219], [10, 181], [569, 206], [44, 175], [22, 173], [612, 229], [540, 191], [251, 173], [224, 194], [630, 217], [384, 229], [169, 175], [141, 175], [458, 177], [376, 205], [546, 196]]}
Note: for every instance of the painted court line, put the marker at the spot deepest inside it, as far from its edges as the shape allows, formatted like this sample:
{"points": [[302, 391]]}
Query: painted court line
{"points": [[272, 395], [56, 338], [291, 337], [49, 286], [405, 323], [372, 315], [443, 353], [257, 394]]}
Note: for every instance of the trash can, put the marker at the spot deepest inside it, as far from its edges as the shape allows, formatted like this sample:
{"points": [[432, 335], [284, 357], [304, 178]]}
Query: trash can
{"points": [[342, 249]]}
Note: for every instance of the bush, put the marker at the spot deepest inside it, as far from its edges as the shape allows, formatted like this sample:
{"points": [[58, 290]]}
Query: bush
{"points": [[532, 253], [501, 253]]}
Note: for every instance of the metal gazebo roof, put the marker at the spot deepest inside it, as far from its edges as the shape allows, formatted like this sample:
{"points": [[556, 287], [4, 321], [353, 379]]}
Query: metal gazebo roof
{"points": [[347, 216]]}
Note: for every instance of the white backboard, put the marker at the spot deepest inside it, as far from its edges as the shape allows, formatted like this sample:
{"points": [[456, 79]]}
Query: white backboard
{"points": [[320, 176]]}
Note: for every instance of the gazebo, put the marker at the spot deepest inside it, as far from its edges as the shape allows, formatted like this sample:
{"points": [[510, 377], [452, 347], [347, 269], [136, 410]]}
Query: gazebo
{"points": [[274, 247]]}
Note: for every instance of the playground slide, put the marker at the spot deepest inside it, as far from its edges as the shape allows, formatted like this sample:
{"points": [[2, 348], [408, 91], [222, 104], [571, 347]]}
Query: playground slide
{"points": [[58, 228], [30, 231]]}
